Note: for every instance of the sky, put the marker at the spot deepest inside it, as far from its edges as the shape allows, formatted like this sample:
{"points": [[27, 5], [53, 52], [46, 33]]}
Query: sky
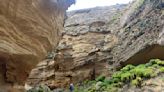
{"points": [[82, 4]]}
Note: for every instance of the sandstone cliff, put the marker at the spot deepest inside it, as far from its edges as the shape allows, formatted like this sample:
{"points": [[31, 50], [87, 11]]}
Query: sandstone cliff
{"points": [[83, 49], [28, 30], [99, 40]]}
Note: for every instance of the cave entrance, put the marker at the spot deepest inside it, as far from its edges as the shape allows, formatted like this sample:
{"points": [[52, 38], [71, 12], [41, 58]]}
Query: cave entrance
{"points": [[144, 56]]}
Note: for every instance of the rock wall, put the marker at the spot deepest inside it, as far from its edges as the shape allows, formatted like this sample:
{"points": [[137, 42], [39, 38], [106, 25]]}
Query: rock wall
{"points": [[28, 30], [97, 41], [84, 51], [142, 37]]}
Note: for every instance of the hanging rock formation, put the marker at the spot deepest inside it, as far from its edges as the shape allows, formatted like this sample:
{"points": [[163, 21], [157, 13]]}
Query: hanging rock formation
{"points": [[98, 40], [28, 30]]}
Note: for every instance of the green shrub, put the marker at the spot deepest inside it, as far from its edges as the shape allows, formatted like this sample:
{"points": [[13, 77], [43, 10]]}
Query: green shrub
{"points": [[162, 69], [157, 61], [100, 78], [126, 77], [111, 88], [136, 82], [107, 81], [128, 74], [41, 88], [127, 68], [115, 80], [117, 75], [160, 63]]}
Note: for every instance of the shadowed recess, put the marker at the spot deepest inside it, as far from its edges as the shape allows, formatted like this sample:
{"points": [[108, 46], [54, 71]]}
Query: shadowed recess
{"points": [[151, 52]]}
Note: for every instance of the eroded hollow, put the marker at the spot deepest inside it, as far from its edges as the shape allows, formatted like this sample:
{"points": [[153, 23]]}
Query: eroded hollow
{"points": [[2, 70], [144, 56]]}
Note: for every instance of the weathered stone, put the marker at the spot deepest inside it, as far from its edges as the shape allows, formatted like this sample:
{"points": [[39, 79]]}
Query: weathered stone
{"points": [[28, 30], [141, 40], [96, 40], [83, 51]]}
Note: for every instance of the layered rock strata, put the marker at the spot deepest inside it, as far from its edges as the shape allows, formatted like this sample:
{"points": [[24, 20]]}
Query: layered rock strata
{"points": [[28, 30], [99, 40]]}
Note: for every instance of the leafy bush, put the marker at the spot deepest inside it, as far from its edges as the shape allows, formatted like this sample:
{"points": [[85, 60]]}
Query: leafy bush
{"points": [[129, 74], [100, 78], [128, 68], [137, 81], [162, 69]]}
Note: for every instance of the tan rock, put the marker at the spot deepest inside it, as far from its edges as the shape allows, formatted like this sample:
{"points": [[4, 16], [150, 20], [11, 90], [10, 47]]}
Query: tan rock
{"points": [[97, 41], [80, 57], [28, 30]]}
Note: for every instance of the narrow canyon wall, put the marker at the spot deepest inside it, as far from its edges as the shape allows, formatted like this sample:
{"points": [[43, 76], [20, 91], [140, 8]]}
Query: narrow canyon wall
{"points": [[99, 40], [84, 50], [28, 30]]}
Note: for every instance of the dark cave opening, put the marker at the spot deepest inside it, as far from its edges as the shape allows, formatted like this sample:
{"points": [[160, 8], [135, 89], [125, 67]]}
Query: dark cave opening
{"points": [[145, 55], [2, 70]]}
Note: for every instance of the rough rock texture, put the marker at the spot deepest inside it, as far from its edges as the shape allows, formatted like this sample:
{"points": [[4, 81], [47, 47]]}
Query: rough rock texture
{"points": [[142, 38], [84, 49], [43, 72], [101, 39], [28, 30]]}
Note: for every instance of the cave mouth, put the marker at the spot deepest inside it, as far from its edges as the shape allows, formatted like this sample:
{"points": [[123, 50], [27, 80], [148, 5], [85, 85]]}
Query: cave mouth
{"points": [[145, 55]]}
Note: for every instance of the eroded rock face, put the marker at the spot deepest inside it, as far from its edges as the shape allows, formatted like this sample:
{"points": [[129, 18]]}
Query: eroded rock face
{"points": [[141, 39], [28, 30], [95, 41], [84, 50]]}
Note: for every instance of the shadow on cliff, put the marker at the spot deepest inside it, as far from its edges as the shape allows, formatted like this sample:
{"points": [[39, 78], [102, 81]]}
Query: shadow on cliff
{"points": [[150, 52]]}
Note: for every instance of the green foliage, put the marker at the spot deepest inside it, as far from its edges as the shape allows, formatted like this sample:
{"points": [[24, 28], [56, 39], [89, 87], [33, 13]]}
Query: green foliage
{"points": [[100, 78], [128, 68], [162, 69], [41, 88], [136, 82], [143, 72], [157, 61], [79, 89], [126, 76], [129, 74]]}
